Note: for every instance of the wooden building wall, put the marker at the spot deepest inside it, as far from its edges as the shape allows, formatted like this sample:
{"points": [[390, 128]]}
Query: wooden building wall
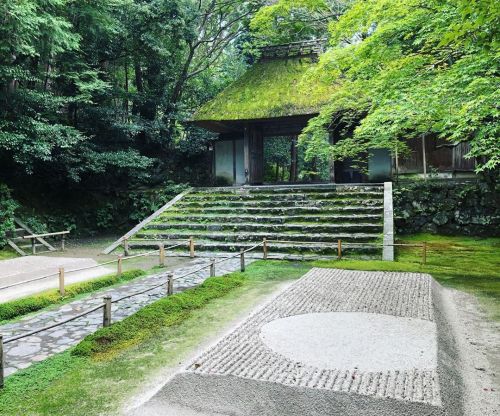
{"points": [[440, 154]]}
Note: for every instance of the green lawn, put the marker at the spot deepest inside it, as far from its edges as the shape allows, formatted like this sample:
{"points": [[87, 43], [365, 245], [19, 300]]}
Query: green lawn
{"points": [[7, 253], [99, 383]]}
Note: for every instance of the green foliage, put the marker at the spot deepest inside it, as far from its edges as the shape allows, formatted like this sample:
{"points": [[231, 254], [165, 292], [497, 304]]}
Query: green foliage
{"points": [[93, 94], [409, 68], [141, 204], [19, 307], [270, 89], [287, 21], [7, 208]]}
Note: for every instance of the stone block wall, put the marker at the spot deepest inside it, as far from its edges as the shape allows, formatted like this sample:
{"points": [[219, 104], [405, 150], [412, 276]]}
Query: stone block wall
{"points": [[447, 207]]}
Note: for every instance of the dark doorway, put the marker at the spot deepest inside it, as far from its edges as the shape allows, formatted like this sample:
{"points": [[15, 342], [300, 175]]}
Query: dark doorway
{"points": [[284, 162]]}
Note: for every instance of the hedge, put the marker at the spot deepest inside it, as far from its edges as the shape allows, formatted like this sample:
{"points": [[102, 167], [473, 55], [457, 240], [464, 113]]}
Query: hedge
{"points": [[147, 321]]}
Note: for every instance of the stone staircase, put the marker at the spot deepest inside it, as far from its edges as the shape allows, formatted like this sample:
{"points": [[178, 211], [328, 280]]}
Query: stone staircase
{"points": [[227, 219]]}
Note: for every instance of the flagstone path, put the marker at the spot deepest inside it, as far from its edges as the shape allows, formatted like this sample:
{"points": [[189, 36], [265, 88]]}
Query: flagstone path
{"points": [[22, 353]]}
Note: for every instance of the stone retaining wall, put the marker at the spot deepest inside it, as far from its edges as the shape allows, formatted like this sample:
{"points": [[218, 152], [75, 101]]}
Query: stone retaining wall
{"points": [[446, 207]]}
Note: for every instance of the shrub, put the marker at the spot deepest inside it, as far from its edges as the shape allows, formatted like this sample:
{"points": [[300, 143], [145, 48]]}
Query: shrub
{"points": [[7, 209]]}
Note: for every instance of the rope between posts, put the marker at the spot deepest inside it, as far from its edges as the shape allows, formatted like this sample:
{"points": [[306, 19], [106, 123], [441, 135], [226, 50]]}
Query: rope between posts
{"points": [[238, 254], [28, 281], [88, 267], [141, 292], [45, 328]]}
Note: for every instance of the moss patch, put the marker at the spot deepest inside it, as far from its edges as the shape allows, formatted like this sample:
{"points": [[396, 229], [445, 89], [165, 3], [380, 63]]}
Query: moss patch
{"points": [[269, 89]]}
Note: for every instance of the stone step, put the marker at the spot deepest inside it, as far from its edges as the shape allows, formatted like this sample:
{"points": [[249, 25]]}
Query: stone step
{"points": [[282, 197], [278, 210], [282, 203], [274, 248], [302, 189], [269, 219], [242, 227], [258, 236]]}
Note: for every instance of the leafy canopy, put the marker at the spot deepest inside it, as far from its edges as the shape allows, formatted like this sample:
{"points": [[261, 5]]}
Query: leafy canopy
{"points": [[409, 68]]}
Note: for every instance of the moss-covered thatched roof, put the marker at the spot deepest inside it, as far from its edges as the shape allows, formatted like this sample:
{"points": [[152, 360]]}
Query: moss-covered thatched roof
{"points": [[269, 89]]}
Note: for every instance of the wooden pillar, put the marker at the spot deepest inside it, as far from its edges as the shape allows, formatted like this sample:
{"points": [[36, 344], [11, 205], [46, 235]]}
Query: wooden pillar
{"points": [[106, 318], [1, 362], [293, 160], [212, 267], [246, 153], [331, 162], [256, 154], [119, 265], [162, 255], [126, 249], [396, 156], [62, 291], [33, 246], [191, 247], [170, 284], [424, 157], [242, 260]]}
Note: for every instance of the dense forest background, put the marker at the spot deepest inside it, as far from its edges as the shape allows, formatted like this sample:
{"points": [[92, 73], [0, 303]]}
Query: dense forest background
{"points": [[94, 94]]}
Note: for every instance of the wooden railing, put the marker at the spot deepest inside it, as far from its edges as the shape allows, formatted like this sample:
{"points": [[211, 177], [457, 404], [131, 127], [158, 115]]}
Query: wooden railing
{"points": [[108, 301]]}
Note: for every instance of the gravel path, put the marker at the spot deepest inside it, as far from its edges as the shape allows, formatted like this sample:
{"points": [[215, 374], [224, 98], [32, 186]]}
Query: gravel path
{"points": [[23, 352]]}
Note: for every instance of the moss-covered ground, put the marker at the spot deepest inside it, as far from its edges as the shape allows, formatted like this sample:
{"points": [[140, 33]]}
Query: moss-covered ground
{"points": [[98, 375], [7, 253]]}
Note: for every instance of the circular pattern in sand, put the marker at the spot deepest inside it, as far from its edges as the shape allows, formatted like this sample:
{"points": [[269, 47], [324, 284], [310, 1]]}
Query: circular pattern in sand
{"points": [[353, 340]]}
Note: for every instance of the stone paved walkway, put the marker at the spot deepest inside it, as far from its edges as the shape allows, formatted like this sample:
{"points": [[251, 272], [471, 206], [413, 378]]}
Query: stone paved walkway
{"points": [[23, 352]]}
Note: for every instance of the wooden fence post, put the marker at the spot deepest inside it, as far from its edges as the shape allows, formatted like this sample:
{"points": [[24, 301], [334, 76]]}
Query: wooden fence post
{"points": [[170, 284], [1, 362], [126, 250], [119, 265], [191, 247], [339, 249], [264, 248], [162, 255], [242, 260], [62, 242], [33, 246], [61, 281], [106, 319], [424, 252], [212, 267]]}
